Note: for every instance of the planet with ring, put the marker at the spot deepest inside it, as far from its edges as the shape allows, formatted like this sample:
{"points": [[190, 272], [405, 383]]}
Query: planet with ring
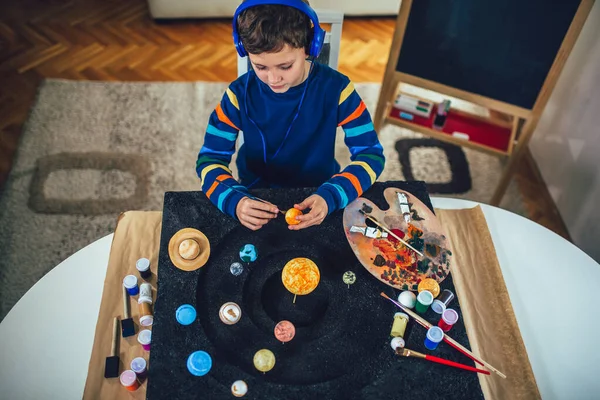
{"points": [[189, 249]]}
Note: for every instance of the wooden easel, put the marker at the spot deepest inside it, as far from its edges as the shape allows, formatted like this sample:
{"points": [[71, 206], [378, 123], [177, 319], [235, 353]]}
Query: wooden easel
{"points": [[521, 121]]}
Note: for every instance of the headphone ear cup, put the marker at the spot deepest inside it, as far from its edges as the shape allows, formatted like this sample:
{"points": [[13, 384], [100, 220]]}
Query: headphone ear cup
{"points": [[240, 49], [317, 43]]}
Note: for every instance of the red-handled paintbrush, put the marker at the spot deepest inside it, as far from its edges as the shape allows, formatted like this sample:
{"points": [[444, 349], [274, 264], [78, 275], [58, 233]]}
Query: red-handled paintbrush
{"points": [[447, 338], [411, 353]]}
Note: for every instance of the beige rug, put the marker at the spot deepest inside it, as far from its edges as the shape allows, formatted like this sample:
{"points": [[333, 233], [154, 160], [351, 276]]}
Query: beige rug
{"points": [[91, 150]]}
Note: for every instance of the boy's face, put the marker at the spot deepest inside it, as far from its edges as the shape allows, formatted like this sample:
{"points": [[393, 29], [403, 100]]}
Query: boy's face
{"points": [[281, 70]]}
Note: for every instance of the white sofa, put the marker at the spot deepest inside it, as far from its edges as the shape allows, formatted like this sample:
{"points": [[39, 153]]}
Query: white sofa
{"points": [[225, 8]]}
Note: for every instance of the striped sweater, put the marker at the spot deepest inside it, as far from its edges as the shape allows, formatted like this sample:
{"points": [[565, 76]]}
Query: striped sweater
{"points": [[286, 148]]}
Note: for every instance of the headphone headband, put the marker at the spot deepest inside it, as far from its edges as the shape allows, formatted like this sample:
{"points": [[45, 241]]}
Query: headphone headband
{"points": [[318, 37]]}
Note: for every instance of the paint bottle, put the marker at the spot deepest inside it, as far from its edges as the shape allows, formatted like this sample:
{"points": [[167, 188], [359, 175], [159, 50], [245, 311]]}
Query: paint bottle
{"points": [[145, 293], [131, 284], [449, 318], [441, 303], [143, 267], [138, 365], [433, 338], [144, 338], [146, 317], [424, 300], [440, 116], [398, 330], [399, 325], [128, 379]]}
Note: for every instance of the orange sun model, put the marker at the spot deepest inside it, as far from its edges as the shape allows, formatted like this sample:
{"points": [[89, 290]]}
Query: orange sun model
{"points": [[290, 216]]}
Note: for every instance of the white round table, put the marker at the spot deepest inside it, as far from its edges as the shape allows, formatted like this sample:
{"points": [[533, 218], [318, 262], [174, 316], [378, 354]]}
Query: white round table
{"points": [[46, 339]]}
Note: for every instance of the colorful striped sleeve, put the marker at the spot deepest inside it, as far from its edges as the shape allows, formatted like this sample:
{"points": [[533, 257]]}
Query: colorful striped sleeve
{"points": [[215, 155], [367, 159]]}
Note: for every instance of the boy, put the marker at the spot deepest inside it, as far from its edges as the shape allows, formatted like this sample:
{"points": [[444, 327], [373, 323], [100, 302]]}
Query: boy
{"points": [[288, 108]]}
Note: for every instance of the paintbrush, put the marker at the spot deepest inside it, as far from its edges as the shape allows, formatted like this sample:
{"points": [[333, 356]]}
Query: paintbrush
{"points": [[385, 228], [111, 367], [127, 326], [247, 194], [412, 353], [425, 324]]}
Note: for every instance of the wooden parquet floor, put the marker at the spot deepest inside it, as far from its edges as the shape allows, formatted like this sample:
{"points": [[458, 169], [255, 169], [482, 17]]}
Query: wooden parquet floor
{"points": [[119, 41]]}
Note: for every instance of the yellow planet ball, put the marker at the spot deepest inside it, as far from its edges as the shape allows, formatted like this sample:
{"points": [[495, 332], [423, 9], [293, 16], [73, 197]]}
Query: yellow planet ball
{"points": [[431, 285], [264, 360], [300, 276], [189, 249], [290, 216]]}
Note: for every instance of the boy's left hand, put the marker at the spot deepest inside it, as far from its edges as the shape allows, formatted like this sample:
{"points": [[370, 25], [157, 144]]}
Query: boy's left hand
{"points": [[318, 212]]}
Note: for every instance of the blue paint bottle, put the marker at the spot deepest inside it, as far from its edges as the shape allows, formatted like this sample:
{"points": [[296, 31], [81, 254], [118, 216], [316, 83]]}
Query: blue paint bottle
{"points": [[131, 284], [433, 338]]}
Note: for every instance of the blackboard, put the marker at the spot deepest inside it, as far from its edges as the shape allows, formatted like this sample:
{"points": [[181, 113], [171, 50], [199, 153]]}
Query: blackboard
{"points": [[499, 49]]}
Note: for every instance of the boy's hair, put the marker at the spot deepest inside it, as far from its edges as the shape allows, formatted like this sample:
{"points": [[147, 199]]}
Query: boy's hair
{"points": [[268, 28]]}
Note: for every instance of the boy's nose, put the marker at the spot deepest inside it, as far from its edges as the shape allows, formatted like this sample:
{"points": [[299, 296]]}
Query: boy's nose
{"points": [[272, 77]]}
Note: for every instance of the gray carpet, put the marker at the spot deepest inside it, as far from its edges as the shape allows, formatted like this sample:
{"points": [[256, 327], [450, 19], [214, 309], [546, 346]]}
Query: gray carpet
{"points": [[91, 150]]}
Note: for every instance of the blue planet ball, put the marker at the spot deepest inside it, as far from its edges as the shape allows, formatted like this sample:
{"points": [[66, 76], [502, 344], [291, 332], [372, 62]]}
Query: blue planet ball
{"points": [[248, 253], [185, 314], [199, 363], [236, 269]]}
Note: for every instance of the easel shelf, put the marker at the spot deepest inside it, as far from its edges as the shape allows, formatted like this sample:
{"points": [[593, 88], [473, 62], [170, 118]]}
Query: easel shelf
{"points": [[462, 128]]}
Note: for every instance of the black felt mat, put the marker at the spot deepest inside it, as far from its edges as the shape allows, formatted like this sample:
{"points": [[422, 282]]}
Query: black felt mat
{"points": [[342, 345]]}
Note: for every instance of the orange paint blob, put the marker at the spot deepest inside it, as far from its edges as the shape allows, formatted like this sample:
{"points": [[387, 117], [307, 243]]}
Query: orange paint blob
{"points": [[290, 216]]}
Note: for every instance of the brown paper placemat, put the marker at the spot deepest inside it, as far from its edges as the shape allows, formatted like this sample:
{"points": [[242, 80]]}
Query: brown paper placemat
{"points": [[137, 235], [487, 311], [477, 279]]}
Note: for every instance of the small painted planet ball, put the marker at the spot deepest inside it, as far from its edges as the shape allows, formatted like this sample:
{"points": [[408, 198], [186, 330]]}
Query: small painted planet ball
{"points": [[349, 277], [407, 299], [397, 343], [230, 313], [429, 284], [236, 269], [239, 388], [285, 331], [248, 253], [300, 276], [290, 216], [189, 249], [199, 363], [264, 360]]}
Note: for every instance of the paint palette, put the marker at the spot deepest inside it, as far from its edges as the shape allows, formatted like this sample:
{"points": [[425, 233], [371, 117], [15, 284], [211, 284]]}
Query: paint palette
{"points": [[385, 257]]}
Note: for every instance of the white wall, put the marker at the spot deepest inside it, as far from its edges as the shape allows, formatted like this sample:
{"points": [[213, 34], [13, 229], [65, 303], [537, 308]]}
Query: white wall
{"points": [[226, 8], [566, 143]]}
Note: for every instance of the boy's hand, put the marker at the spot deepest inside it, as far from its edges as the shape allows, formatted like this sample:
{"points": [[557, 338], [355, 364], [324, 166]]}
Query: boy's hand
{"points": [[318, 212], [254, 214]]}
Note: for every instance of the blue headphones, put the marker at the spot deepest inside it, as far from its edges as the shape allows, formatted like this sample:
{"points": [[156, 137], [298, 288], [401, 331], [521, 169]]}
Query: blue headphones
{"points": [[318, 37]]}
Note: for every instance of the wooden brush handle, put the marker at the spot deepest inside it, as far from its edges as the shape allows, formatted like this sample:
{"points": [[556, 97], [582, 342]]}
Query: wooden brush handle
{"points": [[115, 336], [125, 304], [447, 338]]}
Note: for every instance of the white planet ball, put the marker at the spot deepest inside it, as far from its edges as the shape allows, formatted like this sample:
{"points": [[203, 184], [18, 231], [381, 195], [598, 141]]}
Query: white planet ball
{"points": [[407, 299], [239, 388], [230, 313], [396, 343]]}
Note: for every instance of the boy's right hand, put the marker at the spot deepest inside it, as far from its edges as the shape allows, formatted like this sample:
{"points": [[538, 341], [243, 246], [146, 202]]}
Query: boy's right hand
{"points": [[254, 214]]}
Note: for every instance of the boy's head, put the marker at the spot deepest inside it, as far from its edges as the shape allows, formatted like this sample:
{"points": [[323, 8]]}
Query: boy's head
{"points": [[277, 39]]}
